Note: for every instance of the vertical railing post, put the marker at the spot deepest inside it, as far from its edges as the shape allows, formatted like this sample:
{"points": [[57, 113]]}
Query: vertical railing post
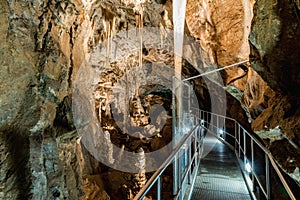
{"points": [[179, 173], [175, 175], [217, 129], [190, 160], [189, 100], [235, 139], [239, 132], [268, 188], [244, 136], [195, 144], [200, 114], [174, 136], [159, 188], [252, 165]]}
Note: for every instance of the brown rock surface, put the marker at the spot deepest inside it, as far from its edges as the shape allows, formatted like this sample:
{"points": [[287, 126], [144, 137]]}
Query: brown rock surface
{"points": [[44, 43], [222, 29], [256, 94], [36, 69], [275, 45], [282, 111], [274, 42]]}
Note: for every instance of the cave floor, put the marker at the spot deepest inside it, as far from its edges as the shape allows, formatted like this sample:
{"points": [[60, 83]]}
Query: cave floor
{"points": [[219, 176]]}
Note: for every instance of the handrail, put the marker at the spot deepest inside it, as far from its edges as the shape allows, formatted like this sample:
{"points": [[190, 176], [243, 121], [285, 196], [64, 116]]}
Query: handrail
{"points": [[232, 119], [215, 70], [240, 149], [262, 147], [156, 176]]}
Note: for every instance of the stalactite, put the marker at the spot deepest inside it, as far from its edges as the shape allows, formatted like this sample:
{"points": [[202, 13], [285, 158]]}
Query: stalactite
{"points": [[162, 35], [141, 38], [126, 99], [139, 10], [108, 148], [119, 157], [108, 40]]}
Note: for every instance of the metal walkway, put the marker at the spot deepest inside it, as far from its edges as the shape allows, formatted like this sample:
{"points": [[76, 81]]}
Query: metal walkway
{"points": [[206, 168], [220, 176]]}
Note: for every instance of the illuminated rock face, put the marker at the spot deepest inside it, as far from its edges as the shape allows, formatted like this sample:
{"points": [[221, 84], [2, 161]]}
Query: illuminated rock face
{"points": [[275, 56], [44, 43], [274, 52], [222, 28]]}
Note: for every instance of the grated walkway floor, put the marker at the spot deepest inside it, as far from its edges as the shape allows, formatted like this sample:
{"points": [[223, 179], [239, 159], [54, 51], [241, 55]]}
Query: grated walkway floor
{"points": [[219, 176]]}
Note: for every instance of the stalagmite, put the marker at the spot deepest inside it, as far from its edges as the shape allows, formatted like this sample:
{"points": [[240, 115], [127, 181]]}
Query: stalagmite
{"points": [[108, 146], [140, 178]]}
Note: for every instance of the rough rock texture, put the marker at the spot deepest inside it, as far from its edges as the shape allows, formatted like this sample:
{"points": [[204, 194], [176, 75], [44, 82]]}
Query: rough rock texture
{"points": [[217, 26], [275, 56], [38, 58], [44, 43], [222, 29], [256, 95], [274, 51], [282, 111]]}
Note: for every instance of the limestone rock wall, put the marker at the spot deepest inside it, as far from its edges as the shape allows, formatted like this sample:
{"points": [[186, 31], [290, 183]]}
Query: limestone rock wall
{"points": [[275, 56], [274, 44], [222, 29], [37, 61], [256, 95], [44, 42]]}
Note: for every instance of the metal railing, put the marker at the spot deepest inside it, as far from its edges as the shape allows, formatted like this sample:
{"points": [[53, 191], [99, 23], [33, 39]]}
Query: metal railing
{"points": [[190, 147], [257, 163]]}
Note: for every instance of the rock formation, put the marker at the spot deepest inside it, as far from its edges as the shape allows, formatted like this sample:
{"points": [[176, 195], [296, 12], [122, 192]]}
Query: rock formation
{"points": [[275, 56], [45, 42]]}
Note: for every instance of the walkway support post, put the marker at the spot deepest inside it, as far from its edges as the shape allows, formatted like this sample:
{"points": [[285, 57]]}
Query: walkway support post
{"points": [[245, 156], [239, 132], [252, 165], [159, 188], [268, 188]]}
